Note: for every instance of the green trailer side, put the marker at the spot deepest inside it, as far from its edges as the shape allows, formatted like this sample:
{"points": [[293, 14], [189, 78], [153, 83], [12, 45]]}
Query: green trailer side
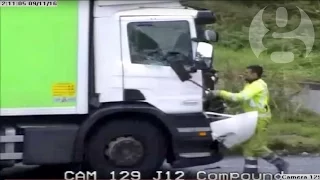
{"points": [[39, 53]]}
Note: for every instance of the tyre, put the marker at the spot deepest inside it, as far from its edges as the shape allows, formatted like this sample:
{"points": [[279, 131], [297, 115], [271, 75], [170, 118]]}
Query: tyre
{"points": [[126, 145]]}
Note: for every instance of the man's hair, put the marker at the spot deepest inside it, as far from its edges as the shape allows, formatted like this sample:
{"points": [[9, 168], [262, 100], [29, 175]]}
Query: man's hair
{"points": [[256, 69]]}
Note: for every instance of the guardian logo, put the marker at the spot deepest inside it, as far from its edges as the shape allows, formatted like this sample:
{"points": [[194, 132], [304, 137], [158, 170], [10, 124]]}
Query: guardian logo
{"points": [[304, 32]]}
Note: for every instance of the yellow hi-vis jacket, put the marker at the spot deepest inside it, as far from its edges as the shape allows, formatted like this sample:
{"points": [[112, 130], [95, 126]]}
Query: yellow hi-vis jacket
{"points": [[254, 97]]}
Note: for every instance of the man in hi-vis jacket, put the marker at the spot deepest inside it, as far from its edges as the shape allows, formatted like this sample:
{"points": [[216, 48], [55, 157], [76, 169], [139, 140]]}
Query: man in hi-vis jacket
{"points": [[255, 97]]}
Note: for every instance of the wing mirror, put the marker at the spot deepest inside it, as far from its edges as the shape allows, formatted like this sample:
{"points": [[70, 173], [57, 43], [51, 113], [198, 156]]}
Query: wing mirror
{"points": [[204, 55], [183, 73], [207, 36], [203, 61], [211, 36], [180, 70]]}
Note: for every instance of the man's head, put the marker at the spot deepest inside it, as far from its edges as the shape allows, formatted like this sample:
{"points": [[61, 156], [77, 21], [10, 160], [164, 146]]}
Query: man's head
{"points": [[253, 73]]}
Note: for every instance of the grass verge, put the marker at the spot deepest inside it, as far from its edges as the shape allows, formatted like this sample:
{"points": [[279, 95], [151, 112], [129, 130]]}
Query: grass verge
{"points": [[292, 128]]}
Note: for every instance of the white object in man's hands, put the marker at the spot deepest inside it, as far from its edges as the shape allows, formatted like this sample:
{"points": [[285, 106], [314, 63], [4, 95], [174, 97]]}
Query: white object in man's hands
{"points": [[236, 129]]}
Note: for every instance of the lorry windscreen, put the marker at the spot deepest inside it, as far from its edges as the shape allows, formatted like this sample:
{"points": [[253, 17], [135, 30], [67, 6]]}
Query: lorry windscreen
{"points": [[150, 42]]}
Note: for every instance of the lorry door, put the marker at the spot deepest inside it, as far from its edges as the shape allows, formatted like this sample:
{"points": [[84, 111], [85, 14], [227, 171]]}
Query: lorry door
{"points": [[145, 42]]}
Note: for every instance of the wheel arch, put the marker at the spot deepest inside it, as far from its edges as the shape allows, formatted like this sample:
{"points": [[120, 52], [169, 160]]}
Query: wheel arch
{"points": [[108, 113]]}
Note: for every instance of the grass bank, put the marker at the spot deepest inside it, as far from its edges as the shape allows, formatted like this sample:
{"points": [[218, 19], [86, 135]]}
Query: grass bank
{"points": [[293, 129]]}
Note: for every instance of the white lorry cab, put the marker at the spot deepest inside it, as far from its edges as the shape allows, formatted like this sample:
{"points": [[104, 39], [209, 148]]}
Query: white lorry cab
{"points": [[117, 85]]}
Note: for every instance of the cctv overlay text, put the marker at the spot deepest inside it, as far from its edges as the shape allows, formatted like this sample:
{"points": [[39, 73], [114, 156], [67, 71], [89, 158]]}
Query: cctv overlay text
{"points": [[28, 3], [181, 175]]}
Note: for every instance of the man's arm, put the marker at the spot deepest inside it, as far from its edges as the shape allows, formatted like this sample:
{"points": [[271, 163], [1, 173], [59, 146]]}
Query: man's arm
{"points": [[246, 94]]}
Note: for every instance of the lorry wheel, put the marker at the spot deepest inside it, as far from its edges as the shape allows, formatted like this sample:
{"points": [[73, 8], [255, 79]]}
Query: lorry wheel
{"points": [[123, 146]]}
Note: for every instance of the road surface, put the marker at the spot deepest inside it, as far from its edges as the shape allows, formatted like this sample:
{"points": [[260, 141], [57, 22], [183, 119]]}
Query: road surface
{"points": [[298, 165]]}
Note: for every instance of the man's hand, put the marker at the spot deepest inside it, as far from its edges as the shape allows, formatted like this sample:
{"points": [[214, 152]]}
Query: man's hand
{"points": [[215, 92], [212, 94]]}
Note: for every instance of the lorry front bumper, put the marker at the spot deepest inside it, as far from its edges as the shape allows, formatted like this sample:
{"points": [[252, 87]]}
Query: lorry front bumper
{"points": [[193, 144]]}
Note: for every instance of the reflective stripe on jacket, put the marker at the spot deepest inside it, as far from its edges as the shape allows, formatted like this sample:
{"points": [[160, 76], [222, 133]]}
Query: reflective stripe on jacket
{"points": [[254, 97]]}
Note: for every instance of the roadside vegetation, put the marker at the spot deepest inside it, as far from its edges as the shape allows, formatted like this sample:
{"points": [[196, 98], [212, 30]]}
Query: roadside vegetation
{"points": [[293, 128]]}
